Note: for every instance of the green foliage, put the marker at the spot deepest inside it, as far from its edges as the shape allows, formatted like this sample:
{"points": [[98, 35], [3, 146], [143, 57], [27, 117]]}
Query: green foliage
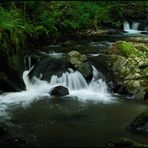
{"points": [[19, 20], [13, 31], [14, 26]]}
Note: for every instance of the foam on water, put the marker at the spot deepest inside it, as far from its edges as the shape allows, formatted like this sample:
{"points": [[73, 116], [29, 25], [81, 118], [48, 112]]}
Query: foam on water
{"points": [[96, 90]]}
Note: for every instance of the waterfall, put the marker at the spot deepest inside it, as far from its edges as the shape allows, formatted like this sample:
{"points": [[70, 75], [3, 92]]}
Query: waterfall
{"points": [[126, 26], [73, 80], [133, 29], [135, 26], [96, 90]]}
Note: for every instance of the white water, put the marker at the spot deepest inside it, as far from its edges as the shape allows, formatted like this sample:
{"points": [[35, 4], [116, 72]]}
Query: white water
{"points": [[78, 88], [56, 54], [133, 29]]}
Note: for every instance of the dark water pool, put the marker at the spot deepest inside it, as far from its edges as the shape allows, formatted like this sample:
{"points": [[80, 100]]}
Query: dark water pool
{"points": [[68, 122]]}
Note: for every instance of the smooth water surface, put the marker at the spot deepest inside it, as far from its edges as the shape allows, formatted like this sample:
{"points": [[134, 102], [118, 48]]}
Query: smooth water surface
{"points": [[68, 122]]}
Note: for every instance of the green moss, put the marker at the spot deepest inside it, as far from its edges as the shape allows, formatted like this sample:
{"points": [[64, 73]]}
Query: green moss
{"points": [[143, 48], [128, 49]]}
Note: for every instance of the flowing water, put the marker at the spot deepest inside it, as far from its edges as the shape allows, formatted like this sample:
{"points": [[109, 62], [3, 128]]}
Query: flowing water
{"points": [[133, 29], [89, 116]]}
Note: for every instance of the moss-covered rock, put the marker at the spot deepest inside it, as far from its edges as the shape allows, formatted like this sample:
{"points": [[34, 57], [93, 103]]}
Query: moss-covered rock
{"points": [[129, 63], [80, 62], [126, 49]]}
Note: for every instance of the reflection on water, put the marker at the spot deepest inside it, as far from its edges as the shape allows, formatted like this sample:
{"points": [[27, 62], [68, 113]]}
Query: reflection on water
{"points": [[68, 122]]}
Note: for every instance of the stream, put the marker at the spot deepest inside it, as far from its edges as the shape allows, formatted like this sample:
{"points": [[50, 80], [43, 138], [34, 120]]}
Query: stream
{"points": [[89, 116]]}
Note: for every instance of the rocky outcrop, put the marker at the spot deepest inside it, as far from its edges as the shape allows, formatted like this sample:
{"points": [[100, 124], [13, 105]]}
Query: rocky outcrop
{"points": [[129, 63], [59, 91], [80, 62], [140, 124]]}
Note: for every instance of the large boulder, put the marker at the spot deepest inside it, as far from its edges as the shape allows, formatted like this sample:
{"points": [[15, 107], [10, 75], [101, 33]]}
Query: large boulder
{"points": [[129, 63], [48, 66], [140, 124], [81, 63], [59, 91]]}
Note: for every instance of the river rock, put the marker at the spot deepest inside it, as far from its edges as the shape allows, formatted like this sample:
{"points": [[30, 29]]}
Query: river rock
{"points": [[123, 142], [48, 66], [140, 124], [81, 63], [129, 64], [59, 91]]}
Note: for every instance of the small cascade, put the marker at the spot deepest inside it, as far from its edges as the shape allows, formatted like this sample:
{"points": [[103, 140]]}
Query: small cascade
{"points": [[133, 29], [78, 87], [135, 26], [126, 26], [72, 80], [97, 74], [27, 62]]}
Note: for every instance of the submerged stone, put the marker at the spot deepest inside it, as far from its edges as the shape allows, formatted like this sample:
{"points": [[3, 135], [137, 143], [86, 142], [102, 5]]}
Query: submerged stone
{"points": [[140, 124], [59, 91], [123, 142]]}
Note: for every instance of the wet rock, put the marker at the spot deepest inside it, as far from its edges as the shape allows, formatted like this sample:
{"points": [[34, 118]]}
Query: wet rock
{"points": [[123, 142], [140, 124], [59, 91], [129, 64], [81, 63], [48, 66]]}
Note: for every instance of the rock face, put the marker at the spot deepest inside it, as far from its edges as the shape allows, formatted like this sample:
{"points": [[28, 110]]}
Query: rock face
{"points": [[129, 64], [140, 124], [59, 91], [80, 62]]}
